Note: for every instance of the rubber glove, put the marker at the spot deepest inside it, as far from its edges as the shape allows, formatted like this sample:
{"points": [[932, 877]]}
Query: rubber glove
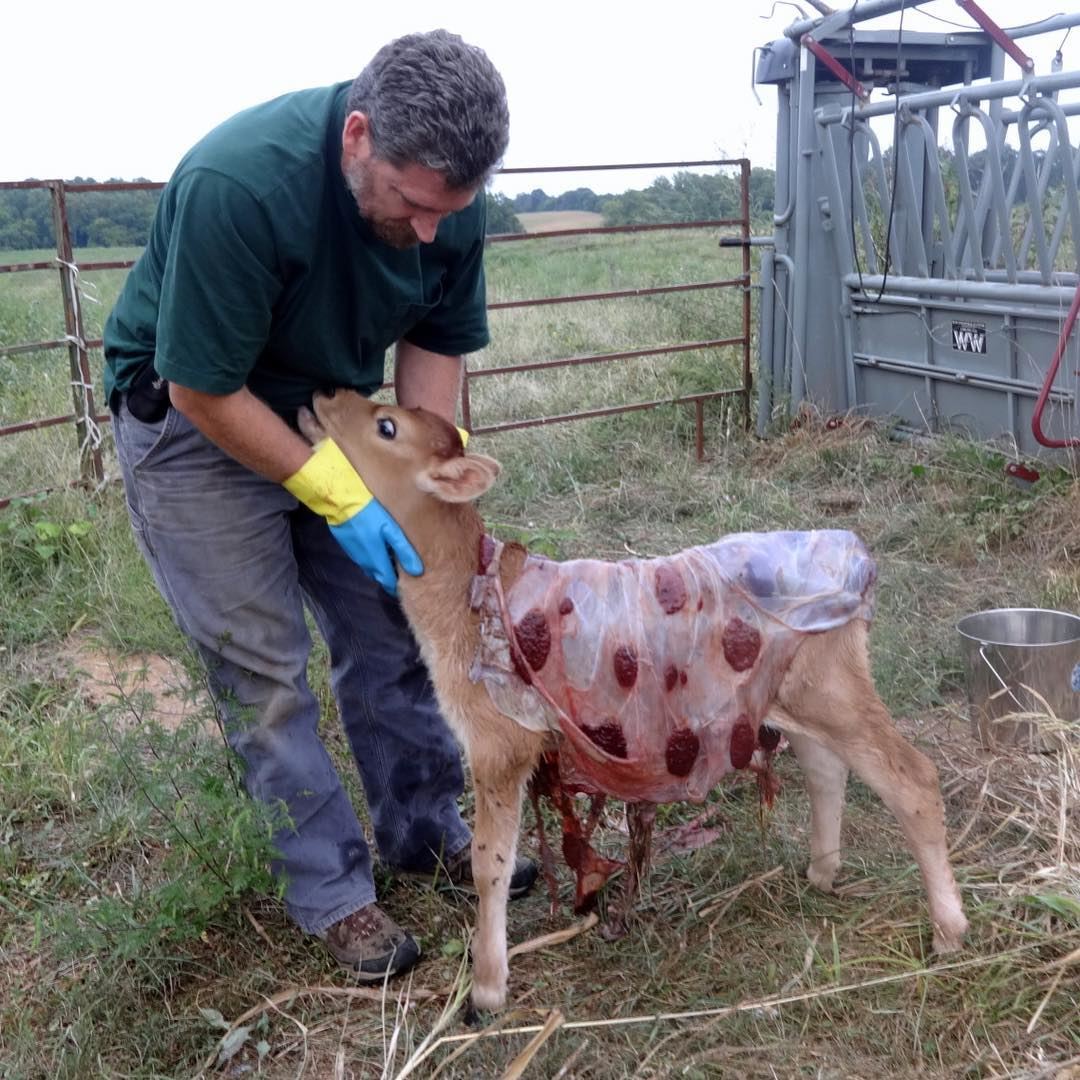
{"points": [[329, 485]]}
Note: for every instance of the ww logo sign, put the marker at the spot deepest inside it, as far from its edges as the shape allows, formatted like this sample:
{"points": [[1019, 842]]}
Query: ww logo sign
{"points": [[969, 337]]}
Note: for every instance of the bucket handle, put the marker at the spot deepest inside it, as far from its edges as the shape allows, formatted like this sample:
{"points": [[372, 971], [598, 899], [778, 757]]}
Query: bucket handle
{"points": [[1004, 685]]}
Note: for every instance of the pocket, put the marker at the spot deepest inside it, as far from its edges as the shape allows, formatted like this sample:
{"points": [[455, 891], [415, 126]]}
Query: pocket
{"points": [[142, 441]]}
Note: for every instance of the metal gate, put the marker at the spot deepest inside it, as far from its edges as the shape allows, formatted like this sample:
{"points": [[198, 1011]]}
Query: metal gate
{"points": [[935, 281], [89, 422]]}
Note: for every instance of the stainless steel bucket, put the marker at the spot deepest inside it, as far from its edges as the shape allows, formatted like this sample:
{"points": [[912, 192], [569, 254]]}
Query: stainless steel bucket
{"points": [[1020, 664]]}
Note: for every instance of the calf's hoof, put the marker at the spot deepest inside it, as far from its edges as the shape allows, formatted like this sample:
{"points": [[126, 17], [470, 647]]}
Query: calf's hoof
{"points": [[948, 939], [486, 998], [822, 875], [614, 928]]}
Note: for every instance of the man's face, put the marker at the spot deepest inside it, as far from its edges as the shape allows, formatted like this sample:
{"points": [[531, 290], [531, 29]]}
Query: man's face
{"points": [[403, 205]]}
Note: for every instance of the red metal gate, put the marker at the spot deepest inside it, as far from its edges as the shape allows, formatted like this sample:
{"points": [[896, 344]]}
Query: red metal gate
{"points": [[87, 420]]}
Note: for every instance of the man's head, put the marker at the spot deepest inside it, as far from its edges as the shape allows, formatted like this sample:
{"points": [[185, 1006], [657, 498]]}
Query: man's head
{"points": [[426, 125]]}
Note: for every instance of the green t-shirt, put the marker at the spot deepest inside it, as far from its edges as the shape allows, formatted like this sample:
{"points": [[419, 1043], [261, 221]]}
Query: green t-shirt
{"points": [[260, 272]]}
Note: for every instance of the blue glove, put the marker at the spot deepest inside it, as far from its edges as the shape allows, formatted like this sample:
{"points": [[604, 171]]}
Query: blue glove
{"points": [[329, 485], [369, 537]]}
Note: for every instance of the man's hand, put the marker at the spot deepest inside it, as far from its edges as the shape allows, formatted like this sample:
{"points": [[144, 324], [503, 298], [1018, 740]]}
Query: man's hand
{"points": [[331, 487]]}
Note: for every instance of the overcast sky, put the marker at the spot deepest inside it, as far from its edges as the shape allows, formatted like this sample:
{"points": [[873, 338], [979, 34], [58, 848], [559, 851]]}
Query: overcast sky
{"points": [[117, 88]]}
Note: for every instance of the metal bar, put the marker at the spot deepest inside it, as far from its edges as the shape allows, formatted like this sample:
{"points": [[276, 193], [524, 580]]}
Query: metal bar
{"points": [[936, 187], [635, 165], [960, 376], [33, 346], [867, 9], [44, 346], [873, 9], [1039, 84], [613, 410], [981, 290], [599, 358], [766, 319], [505, 238], [18, 268], [800, 302], [1048, 382], [51, 421], [91, 466], [619, 294], [748, 377], [111, 185], [835, 67], [999, 35]]}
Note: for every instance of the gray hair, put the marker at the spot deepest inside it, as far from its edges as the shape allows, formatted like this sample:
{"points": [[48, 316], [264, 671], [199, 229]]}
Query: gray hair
{"points": [[434, 100]]}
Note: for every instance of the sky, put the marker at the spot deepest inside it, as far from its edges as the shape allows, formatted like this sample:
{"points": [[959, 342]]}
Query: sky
{"points": [[118, 88]]}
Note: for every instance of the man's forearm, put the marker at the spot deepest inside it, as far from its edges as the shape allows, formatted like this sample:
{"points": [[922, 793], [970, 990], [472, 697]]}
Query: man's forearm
{"points": [[430, 380], [246, 429]]}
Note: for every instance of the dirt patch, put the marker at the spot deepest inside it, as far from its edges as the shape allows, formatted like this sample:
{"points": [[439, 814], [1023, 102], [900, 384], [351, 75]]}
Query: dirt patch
{"points": [[158, 687]]}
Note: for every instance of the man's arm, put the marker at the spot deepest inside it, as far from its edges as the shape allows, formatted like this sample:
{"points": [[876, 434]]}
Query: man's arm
{"points": [[245, 428], [428, 379]]}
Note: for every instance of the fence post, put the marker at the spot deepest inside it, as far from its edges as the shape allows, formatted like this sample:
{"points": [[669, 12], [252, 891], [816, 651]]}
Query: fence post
{"points": [[91, 468]]}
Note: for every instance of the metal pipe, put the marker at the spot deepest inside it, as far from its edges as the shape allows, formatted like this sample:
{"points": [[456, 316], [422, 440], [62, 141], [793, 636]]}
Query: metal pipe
{"points": [[1040, 405], [872, 9], [800, 303], [766, 313], [1041, 84], [976, 290]]}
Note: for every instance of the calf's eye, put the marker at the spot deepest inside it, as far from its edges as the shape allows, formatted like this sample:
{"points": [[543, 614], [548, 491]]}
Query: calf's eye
{"points": [[387, 428]]}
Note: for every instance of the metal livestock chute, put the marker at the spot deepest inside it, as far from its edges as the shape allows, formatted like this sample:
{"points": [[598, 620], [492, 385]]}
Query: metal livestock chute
{"points": [[935, 281]]}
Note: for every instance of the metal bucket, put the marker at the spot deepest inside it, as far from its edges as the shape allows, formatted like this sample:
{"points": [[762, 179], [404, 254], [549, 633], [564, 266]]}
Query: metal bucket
{"points": [[1020, 675]]}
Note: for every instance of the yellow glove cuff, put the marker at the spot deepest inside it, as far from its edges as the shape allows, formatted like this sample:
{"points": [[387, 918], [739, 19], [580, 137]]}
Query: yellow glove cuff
{"points": [[464, 436], [329, 485]]}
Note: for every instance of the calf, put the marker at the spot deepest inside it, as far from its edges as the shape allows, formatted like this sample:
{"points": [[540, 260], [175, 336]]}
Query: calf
{"points": [[649, 678]]}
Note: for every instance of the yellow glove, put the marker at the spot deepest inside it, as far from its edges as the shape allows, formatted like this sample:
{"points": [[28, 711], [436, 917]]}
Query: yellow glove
{"points": [[327, 484]]}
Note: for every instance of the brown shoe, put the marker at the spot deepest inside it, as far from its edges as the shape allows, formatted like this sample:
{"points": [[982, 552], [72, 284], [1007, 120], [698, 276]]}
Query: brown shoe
{"points": [[371, 945], [459, 871]]}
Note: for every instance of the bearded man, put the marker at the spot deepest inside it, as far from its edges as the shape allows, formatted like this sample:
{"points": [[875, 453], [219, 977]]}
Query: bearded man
{"points": [[291, 248]]}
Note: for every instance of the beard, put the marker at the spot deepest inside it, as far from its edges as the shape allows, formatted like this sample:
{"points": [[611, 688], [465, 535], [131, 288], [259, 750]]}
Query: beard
{"points": [[395, 232]]}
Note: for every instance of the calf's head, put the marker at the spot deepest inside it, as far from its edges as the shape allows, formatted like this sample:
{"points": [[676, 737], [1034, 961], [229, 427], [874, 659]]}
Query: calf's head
{"points": [[408, 458]]}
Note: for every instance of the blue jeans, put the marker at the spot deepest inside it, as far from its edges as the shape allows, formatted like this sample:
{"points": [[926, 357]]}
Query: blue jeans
{"points": [[237, 557]]}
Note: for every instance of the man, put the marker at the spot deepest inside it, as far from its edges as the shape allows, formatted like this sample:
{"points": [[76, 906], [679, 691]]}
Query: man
{"points": [[292, 246]]}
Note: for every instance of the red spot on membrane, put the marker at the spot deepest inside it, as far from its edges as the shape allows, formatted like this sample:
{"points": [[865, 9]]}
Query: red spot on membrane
{"points": [[682, 751], [768, 737], [625, 663], [671, 677], [486, 554], [534, 638], [682, 678], [741, 643], [742, 742], [670, 589], [700, 603], [566, 605], [522, 669], [609, 737]]}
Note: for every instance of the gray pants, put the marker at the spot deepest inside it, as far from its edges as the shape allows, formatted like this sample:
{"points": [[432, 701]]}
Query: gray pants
{"points": [[236, 558]]}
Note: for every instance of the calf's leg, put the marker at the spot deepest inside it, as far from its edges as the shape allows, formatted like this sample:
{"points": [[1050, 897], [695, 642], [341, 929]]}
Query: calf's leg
{"points": [[500, 768], [828, 695], [825, 775]]}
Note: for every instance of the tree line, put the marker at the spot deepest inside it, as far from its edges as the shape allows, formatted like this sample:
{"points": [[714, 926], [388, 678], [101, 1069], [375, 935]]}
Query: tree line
{"points": [[123, 218]]}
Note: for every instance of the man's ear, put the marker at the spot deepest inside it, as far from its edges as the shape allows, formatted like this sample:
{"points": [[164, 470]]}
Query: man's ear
{"points": [[459, 479]]}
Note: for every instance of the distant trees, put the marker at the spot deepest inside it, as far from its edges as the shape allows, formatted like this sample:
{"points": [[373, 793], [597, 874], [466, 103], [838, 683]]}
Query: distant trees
{"points": [[500, 215], [123, 218]]}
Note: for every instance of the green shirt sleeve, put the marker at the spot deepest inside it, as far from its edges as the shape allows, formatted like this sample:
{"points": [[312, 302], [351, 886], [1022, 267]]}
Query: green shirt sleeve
{"points": [[458, 324], [219, 284]]}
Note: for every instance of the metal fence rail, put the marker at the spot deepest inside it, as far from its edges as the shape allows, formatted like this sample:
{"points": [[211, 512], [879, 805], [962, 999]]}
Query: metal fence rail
{"points": [[88, 421]]}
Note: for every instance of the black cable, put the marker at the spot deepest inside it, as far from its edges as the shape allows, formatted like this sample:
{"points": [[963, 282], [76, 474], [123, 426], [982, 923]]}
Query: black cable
{"points": [[896, 155]]}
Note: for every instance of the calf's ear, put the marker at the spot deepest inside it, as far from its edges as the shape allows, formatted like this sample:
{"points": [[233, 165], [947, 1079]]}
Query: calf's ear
{"points": [[459, 479]]}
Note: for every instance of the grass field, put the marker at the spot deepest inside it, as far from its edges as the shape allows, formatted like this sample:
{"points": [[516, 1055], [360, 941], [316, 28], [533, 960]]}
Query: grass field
{"points": [[542, 220], [140, 935]]}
